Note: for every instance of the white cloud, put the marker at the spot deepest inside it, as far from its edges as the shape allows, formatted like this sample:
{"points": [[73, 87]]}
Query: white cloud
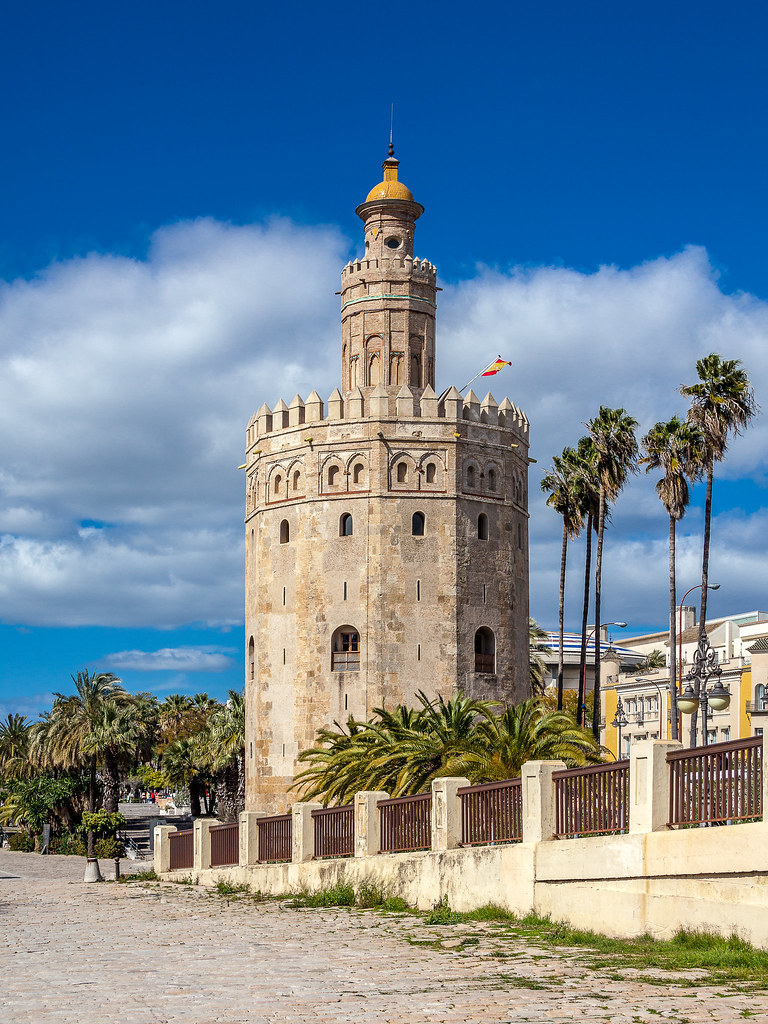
{"points": [[126, 387], [173, 659]]}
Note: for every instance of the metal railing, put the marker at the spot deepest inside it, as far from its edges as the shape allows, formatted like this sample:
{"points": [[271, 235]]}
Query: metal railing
{"points": [[225, 845], [275, 838], [492, 813], [717, 784], [334, 831], [181, 849], [757, 705], [592, 801], [405, 823]]}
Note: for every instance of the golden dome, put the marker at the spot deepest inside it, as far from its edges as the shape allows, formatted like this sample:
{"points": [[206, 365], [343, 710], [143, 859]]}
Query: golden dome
{"points": [[390, 187]]}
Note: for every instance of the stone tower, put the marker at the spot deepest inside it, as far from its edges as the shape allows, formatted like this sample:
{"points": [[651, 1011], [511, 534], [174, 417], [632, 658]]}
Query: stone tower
{"points": [[386, 529]]}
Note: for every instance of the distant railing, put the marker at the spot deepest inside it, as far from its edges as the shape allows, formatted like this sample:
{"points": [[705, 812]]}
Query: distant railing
{"points": [[225, 844], [492, 813], [721, 783], [181, 847], [275, 838], [334, 831], [405, 823], [757, 705], [592, 801]]}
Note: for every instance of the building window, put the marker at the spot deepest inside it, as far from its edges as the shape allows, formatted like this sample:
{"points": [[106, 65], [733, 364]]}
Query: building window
{"points": [[431, 471], [296, 479], [283, 597], [345, 590], [760, 701], [333, 474], [402, 472], [277, 484], [417, 524], [482, 526], [485, 651], [726, 735], [357, 473], [285, 532], [418, 590], [345, 650], [491, 479], [471, 477], [345, 525], [485, 592], [418, 652], [251, 659]]}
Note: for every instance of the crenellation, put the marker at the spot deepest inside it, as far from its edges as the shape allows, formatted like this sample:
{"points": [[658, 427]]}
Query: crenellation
{"points": [[313, 408], [489, 410], [280, 418], [335, 405], [471, 410], [355, 404], [296, 412]]}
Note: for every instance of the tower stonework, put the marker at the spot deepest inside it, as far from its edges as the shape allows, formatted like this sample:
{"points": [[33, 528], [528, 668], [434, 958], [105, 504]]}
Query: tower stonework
{"points": [[386, 529]]}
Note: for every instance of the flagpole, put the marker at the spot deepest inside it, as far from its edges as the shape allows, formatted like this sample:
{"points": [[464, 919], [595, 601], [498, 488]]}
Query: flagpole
{"points": [[478, 375]]}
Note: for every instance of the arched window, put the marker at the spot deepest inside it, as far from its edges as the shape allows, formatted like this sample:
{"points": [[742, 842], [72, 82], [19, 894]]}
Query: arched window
{"points": [[760, 702], [357, 473], [485, 651], [482, 526], [471, 477], [278, 483], [251, 659], [333, 476], [402, 472], [431, 471], [491, 479], [345, 525], [285, 532], [345, 650], [417, 524], [296, 479], [373, 370]]}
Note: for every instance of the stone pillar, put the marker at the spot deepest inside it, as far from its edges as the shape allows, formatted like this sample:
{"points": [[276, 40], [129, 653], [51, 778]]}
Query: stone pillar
{"points": [[303, 831], [539, 800], [649, 785], [202, 842], [249, 837], [162, 853], [367, 833], [446, 813]]}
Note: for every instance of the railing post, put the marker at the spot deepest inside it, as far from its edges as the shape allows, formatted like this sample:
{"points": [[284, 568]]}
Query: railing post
{"points": [[764, 770], [446, 813], [649, 785], [202, 843], [539, 800], [162, 853], [303, 847], [249, 837], [367, 835]]}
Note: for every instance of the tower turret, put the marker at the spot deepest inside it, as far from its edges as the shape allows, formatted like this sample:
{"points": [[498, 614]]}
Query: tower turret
{"points": [[388, 297]]}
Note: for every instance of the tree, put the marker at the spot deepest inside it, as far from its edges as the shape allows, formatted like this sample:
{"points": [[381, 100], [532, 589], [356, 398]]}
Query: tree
{"points": [[227, 740], [722, 404], [67, 736], [612, 433], [564, 483], [584, 462], [676, 448], [186, 762], [537, 645], [14, 747]]}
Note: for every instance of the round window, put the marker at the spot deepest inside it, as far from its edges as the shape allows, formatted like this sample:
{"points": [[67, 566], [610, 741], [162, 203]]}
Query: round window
{"points": [[392, 242]]}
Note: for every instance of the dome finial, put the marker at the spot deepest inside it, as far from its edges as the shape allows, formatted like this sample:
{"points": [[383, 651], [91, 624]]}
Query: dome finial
{"points": [[391, 131]]}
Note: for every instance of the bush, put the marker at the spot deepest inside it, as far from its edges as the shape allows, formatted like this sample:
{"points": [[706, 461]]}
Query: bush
{"points": [[102, 823], [21, 842], [108, 848], [68, 844]]}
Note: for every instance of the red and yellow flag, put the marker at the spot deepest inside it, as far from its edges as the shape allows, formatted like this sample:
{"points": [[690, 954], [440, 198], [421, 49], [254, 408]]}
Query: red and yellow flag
{"points": [[495, 367]]}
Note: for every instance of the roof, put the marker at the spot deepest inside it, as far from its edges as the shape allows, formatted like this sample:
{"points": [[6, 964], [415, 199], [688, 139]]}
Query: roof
{"points": [[760, 646], [691, 635], [390, 187]]}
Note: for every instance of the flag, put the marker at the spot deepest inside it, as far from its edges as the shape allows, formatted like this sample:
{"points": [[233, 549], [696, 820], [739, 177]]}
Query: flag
{"points": [[495, 367]]}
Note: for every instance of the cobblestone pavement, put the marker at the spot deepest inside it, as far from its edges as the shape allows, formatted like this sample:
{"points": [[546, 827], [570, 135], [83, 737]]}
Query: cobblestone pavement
{"points": [[157, 953]]}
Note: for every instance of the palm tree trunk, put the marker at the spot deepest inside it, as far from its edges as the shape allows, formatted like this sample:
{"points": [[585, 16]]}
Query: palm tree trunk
{"points": [[580, 716], [598, 587], [194, 798], [704, 585], [561, 619], [672, 633], [241, 781], [111, 782]]}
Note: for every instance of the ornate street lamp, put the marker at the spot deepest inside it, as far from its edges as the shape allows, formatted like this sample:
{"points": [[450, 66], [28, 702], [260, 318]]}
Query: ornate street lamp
{"points": [[619, 721], [698, 694]]}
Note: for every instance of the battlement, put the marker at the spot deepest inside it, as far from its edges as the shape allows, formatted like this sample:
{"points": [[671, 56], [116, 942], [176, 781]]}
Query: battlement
{"points": [[378, 404], [418, 267]]}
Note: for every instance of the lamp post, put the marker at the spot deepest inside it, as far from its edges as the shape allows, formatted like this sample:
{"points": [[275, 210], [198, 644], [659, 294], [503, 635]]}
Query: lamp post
{"points": [[581, 712], [678, 682], [697, 694], [619, 721]]}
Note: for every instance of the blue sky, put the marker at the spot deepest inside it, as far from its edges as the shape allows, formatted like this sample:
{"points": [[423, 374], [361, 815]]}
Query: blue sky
{"points": [[179, 186]]}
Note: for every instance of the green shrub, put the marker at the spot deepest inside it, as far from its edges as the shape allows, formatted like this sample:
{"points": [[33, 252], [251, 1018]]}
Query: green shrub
{"points": [[108, 848], [442, 913], [102, 823], [68, 844], [21, 842]]}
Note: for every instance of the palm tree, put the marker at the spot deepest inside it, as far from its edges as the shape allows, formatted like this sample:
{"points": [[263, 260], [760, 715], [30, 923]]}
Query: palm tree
{"points": [[612, 433], [722, 403], [563, 482], [584, 462], [68, 735], [186, 762], [14, 747], [537, 645], [676, 448], [227, 740]]}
